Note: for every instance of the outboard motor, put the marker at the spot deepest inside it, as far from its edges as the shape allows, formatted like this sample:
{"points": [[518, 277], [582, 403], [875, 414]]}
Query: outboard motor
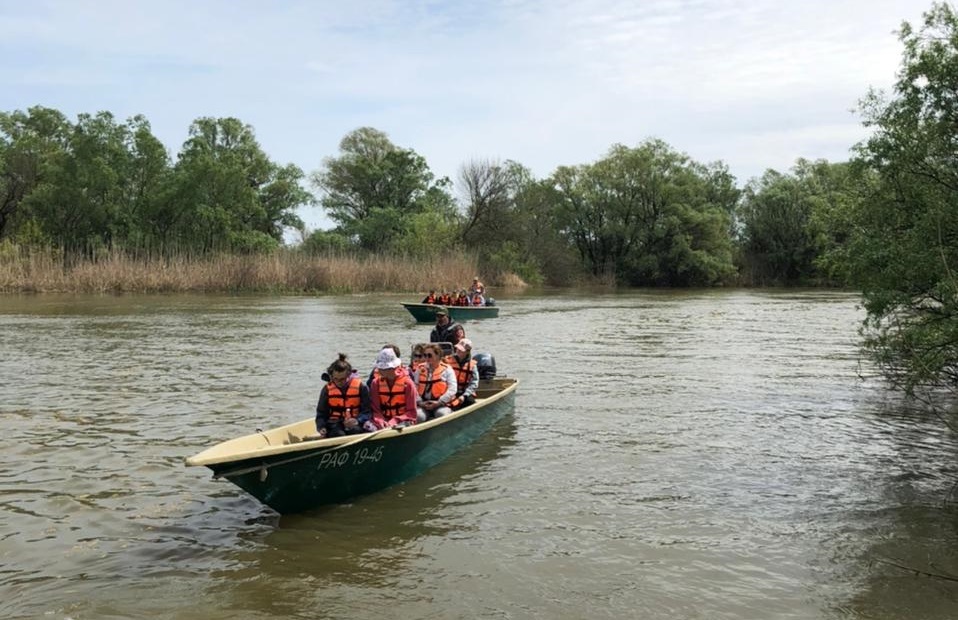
{"points": [[490, 301], [486, 364]]}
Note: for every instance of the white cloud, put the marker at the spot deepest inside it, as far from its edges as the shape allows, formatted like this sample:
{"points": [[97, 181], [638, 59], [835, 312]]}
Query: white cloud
{"points": [[757, 84]]}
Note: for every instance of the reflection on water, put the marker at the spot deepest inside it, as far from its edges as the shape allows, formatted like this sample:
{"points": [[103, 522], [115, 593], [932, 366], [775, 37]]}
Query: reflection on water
{"points": [[375, 542], [718, 454]]}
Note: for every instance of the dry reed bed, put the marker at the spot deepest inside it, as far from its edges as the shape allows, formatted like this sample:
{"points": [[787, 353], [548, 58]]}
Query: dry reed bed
{"points": [[43, 272]]}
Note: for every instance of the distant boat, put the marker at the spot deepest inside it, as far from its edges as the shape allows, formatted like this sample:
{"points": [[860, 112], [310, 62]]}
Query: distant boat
{"points": [[426, 313], [291, 470]]}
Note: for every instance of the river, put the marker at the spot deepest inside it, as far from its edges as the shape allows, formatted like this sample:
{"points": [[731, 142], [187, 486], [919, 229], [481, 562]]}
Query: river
{"points": [[692, 454]]}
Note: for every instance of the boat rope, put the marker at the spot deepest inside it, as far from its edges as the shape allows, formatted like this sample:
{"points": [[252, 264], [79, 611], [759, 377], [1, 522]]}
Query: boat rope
{"points": [[264, 467]]}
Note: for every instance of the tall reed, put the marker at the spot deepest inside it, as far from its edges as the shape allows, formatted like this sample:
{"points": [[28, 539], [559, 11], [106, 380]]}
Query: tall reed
{"points": [[286, 271]]}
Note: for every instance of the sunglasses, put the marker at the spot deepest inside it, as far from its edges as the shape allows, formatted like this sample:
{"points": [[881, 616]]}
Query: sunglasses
{"points": [[429, 355], [418, 355]]}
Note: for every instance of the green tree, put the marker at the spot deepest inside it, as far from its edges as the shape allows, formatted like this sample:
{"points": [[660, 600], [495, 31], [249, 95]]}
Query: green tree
{"points": [[145, 186], [778, 240], [227, 194], [325, 242], [29, 141], [80, 201], [794, 226], [375, 192], [903, 250], [645, 216]]}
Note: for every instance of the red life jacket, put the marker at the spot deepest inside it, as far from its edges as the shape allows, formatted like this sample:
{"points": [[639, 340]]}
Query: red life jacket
{"points": [[343, 404], [392, 400]]}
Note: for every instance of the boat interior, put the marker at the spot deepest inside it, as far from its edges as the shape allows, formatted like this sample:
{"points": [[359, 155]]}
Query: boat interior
{"points": [[302, 435]]}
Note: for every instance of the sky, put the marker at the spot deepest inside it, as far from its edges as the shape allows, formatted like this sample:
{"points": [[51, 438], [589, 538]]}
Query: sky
{"points": [[756, 84]]}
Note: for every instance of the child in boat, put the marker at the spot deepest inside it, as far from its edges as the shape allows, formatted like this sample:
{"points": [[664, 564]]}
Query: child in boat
{"points": [[344, 406], [393, 392]]}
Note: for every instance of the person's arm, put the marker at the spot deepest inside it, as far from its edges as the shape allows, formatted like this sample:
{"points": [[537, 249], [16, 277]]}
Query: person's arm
{"points": [[322, 411], [375, 406], [365, 405], [414, 379], [473, 384], [449, 378], [409, 415]]}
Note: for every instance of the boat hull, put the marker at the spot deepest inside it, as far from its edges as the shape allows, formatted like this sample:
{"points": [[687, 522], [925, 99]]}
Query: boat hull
{"points": [[337, 470], [426, 313]]}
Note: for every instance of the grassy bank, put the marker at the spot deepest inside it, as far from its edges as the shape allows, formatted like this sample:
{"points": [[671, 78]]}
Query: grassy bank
{"points": [[286, 272]]}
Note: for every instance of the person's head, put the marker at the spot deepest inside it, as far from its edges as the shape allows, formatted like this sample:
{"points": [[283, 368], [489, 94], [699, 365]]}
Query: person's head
{"points": [[458, 333], [387, 362], [475, 280], [442, 316], [432, 353], [417, 352], [463, 348], [395, 349], [339, 370]]}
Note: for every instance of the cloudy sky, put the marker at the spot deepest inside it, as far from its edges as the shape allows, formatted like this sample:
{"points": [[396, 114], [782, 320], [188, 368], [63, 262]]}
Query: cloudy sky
{"points": [[755, 83]]}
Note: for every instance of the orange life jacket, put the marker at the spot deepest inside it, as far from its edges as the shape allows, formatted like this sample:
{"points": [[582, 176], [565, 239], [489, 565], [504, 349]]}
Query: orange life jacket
{"points": [[463, 376], [430, 299], [431, 387], [343, 404], [392, 400], [463, 373]]}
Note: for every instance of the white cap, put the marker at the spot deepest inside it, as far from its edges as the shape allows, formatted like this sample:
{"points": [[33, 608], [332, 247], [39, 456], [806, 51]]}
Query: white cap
{"points": [[387, 359]]}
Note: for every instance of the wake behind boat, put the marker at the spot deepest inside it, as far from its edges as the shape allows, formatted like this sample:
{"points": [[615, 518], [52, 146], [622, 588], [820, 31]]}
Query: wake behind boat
{"points": [[290, 470], [426, 313]]}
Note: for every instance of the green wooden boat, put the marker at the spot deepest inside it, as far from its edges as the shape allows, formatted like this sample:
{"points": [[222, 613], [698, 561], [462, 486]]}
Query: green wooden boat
{"points": [[291, 470], [426, 313]]}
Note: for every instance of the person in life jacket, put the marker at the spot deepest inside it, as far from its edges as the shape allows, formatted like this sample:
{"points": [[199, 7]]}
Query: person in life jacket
{"points": [[417, 358], [435, 385], [442, 332], [430, 298], [375, 371], [458, 333], [393, 392], [344, 406], [478, 299], [467, 374], [477, 287]]}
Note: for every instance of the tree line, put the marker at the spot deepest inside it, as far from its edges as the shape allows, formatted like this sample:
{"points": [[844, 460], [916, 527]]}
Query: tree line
{"points": [[646, 215], [885, 221]]}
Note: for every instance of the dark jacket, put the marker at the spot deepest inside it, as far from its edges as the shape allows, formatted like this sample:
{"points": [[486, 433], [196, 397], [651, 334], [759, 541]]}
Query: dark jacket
{"points": [[335, 429], [443, 334]]}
